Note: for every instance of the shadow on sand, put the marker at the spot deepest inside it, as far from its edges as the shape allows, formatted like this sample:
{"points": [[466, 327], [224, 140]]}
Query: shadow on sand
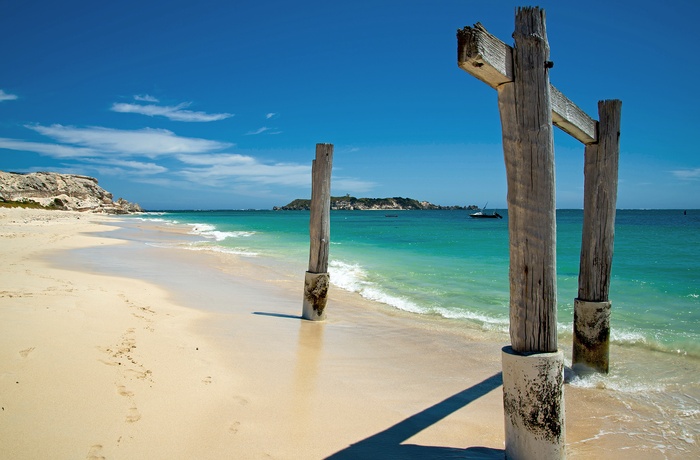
{"points": [[277, 315], [387, 444]]}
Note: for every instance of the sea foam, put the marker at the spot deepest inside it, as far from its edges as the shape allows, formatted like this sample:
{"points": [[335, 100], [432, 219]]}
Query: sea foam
{"points": [[488, 323], [354, 278], [210, 231], [221, 249]]}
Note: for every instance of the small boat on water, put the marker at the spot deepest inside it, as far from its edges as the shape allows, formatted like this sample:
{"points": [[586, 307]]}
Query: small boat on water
{"points": [[483, 215]]}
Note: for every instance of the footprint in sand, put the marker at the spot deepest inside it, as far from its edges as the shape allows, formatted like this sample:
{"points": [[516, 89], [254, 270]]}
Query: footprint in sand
{"points": [[24, 353], [241, 400], [234, 427], [207, 379], [121, 389], [94, 453], [133, 415]]}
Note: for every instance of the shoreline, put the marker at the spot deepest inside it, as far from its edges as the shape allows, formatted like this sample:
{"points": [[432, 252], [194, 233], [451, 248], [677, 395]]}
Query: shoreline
{"points": [[87, 358], [251, 380]]}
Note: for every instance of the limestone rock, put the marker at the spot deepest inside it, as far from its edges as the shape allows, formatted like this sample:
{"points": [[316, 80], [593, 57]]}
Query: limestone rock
{"points": [[63, 191]]}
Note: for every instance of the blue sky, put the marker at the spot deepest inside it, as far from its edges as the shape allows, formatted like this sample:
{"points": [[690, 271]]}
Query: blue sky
{"points": [[219, 104]]}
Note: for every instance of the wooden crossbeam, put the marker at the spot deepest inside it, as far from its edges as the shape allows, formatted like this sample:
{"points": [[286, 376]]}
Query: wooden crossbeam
{"points": [[487, 58]]}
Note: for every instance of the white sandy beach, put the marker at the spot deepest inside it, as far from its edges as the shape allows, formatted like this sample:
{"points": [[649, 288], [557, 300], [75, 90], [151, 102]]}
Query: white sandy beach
{"points": [[214, 362]]}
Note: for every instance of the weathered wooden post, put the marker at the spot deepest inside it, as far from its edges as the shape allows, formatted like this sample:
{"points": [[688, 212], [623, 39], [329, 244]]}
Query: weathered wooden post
{"points": [[533, 367], [592, 308], [317, 280]]}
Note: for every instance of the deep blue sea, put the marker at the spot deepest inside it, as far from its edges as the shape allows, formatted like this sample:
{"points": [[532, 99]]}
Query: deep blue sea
{"points": [[445, 264]]}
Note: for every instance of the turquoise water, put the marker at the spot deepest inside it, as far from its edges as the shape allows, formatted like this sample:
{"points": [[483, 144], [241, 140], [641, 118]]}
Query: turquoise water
{"points": [[444, 264]]}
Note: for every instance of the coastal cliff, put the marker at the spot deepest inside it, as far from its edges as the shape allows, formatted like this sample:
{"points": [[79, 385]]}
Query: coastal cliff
{"points": [[62, 191], [350, 203]]}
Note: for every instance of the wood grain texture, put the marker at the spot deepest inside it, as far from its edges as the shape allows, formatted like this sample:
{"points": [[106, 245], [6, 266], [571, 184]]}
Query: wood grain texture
{"points": [[319, 221], [529, 156], [487, 58], [484, 56], [600, 200]]}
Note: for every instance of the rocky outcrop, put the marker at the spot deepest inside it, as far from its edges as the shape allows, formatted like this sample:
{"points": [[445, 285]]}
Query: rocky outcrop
{"points": [[62, 191], [350, 203]]}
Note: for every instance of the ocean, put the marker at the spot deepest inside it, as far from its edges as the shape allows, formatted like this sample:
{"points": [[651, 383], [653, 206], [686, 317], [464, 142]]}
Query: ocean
{"points": [[444, 266]]}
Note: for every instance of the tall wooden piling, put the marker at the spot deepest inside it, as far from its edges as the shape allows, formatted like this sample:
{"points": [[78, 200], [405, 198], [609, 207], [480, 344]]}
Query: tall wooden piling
{"points": [[592, 307], [528, 143], [533, 394], [317, 280], [532, 366]]}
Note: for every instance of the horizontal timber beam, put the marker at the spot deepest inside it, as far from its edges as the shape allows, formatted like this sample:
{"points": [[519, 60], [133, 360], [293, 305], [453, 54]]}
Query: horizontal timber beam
{"points": [[490, 60]]}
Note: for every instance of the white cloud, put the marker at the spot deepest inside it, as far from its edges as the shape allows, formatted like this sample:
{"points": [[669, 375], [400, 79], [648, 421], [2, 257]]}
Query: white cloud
{"points": [[145, 98], [138, 168], [146, 142], [224, 159], [221, 169], [264, 129], [7, 97], [175, 113], [271, 115], [230, 169], [194, 162], [687, 174], [257, 131], [51, 150]]}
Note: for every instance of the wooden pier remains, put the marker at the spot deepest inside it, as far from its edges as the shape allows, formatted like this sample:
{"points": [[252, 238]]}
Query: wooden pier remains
{"points": [[529, 106], [316, 279], [591, 350]]}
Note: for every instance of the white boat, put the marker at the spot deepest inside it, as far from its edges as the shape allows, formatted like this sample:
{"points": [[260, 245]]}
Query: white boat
{"points": [[482, 215]]}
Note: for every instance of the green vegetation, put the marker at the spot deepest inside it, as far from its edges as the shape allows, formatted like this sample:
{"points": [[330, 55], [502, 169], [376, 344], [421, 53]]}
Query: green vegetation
{"points": [[29, 204], [403, 203], [350, 202], [300, 204]]}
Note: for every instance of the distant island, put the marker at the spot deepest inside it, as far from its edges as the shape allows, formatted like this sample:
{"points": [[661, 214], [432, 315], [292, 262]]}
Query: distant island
{"points": [[350, 203]]}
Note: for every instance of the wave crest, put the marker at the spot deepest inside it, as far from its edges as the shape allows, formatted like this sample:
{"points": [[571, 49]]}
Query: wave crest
{"points": [[210, 231]]}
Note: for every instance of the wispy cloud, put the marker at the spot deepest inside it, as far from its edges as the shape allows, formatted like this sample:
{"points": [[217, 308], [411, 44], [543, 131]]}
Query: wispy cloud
{"points": [[88, 160], [223, 159], [271, 115], [218, 169], [262, 130], [139, 168], [175, 113], [257, 131], [235, 170], [146, 98], [6, 96], [147, 142], [687, 174], [160, 157], [51, 150]]}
